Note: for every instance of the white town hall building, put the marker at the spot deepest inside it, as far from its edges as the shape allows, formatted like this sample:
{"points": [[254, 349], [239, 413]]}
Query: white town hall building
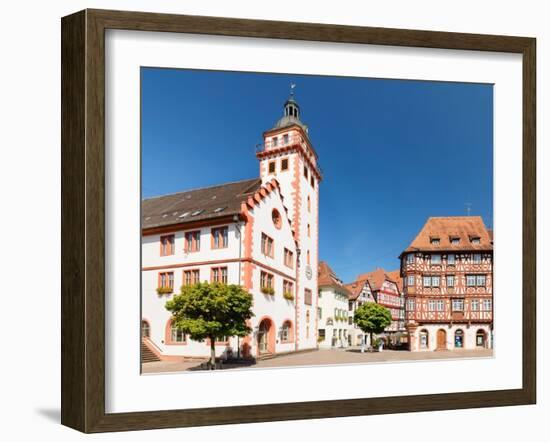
{"points": [[260, 233]]}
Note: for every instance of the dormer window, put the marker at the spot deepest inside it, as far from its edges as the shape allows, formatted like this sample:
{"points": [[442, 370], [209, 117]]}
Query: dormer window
{"points": [[434, 241], [455, 241], [475, 239]]}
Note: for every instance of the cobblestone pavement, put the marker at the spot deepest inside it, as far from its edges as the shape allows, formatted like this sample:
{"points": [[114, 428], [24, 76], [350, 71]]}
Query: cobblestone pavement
{"points": [[323, 357]]}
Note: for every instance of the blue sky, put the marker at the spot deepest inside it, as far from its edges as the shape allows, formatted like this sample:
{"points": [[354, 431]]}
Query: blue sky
{"points": [[393, 152]]}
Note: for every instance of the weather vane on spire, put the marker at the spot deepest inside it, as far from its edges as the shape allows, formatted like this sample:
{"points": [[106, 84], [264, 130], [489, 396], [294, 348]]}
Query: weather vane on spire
{"points": [[292, 86]]}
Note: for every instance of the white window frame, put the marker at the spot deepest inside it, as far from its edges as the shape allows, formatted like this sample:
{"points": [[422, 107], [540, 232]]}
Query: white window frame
{"points": [[483, 278], [459, 303], [452, 279]]}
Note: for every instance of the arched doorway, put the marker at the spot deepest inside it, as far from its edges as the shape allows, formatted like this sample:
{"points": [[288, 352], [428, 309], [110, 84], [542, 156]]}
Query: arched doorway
{"points": [[266, 337], [459, 339], [145, 329], [441, 339], [424, 340], [481, 338]]}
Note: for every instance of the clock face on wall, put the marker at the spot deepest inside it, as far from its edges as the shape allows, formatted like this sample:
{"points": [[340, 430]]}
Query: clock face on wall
{"points": [[309, 273]]}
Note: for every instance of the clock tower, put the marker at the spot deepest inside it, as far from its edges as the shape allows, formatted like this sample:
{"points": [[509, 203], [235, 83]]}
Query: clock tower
{"points": [[287, 155]]}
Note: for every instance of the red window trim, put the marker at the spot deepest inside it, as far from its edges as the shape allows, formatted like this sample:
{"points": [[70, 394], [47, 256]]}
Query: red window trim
{"points": [[215, 231], [170, 247], [268, 238], [194, 242], [168, 279], [291, 254], [168, 335], [192, 271], [220, 269]]}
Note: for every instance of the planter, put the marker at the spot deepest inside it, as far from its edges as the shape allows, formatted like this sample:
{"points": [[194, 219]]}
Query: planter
{"points": [[289, 296], [164, 290], [267, 291]]}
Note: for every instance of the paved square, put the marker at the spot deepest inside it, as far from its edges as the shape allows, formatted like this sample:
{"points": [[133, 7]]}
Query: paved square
{"points": [[323, 357]]}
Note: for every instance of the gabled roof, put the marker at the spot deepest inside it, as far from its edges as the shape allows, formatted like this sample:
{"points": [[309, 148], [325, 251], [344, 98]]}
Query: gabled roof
{"points": [[376, 278], [214, 202], [463, 228], [355, 288], [328, 278], [395, 275]]}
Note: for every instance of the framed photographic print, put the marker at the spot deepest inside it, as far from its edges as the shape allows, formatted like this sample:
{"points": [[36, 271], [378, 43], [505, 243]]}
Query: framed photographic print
{"points": [[250, 208]]}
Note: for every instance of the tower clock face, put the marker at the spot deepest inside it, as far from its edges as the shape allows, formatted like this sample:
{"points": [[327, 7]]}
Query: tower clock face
{"points": [[309, 272]]}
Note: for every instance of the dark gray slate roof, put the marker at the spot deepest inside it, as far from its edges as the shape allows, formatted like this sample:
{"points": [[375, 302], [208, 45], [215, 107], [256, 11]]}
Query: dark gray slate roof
{"points": [[289, 120], [197, 204]]}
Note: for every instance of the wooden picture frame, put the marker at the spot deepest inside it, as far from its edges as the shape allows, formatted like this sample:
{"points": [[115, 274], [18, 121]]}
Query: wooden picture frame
{"points": [[83, 220]]}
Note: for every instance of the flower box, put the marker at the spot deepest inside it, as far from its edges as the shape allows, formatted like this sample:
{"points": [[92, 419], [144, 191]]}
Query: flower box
{"points": [[288, 295], [267, 290], [164, 290]]}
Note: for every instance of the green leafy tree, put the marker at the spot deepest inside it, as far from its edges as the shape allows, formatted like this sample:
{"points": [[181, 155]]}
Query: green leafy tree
{"points": [[372, 318], [211, 311]]}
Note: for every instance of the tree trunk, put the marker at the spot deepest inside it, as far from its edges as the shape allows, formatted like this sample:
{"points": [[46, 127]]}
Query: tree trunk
{"points": [[213, 352], [371, 341]]}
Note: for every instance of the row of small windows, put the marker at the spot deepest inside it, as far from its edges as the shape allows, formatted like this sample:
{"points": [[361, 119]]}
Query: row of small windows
{"points": [[457, 305], [454, 240], [340, 313], [272, 168], [275, 140], [190, 277], [435, 280], [436, 258], [192, 241]]}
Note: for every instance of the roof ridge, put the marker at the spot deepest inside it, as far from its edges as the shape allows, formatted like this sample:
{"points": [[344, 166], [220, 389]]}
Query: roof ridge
{"points": [[200, 188]]}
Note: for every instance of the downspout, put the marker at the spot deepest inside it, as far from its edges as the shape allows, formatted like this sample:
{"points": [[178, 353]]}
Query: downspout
{"points": [[238, 227]]}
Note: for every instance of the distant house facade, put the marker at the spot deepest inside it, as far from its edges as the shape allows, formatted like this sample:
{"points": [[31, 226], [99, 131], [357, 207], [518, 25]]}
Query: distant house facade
{"points": [[447, 273], [360, 293], [387, 293], [333, 315], [260, 233]]}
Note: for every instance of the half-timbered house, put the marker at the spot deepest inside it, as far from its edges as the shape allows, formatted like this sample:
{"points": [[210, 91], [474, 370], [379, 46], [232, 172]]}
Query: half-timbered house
{"points": [[360, 293], [447, 272]]}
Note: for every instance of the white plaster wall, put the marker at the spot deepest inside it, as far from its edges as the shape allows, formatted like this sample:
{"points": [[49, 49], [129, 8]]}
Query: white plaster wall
{"points": [[307, 331], [308, 244], [328, 302], [151, 247], [154, 311], [277, 308]]}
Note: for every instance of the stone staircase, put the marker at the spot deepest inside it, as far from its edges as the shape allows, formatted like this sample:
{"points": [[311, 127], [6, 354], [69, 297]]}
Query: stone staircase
{"points": [[146, 354]]}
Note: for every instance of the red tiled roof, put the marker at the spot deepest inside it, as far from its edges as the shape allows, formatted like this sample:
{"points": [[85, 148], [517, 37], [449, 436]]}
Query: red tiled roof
{"points": [[463, 228], [355, 288], [395, 275], [327, 278], [377, 277]]}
